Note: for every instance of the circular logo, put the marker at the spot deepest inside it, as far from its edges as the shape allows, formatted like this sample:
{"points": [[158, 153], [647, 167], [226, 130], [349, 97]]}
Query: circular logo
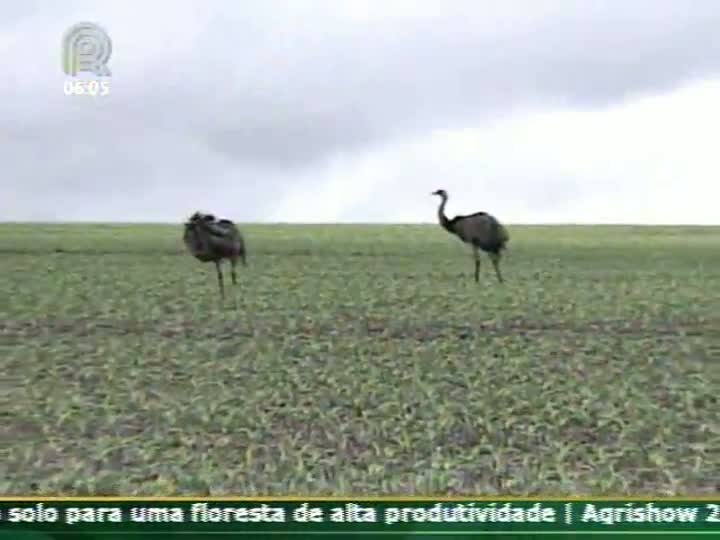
{"points": [[86, 47]]}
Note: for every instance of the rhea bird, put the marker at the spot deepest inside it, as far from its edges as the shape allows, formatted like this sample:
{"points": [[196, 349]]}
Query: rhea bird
{"points": [[210, 239], [481, 230]]}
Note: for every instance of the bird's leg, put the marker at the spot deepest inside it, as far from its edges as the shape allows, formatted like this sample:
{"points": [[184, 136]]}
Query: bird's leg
{"points": [[220, 279], [495, 258], [233, 270], [476, 254]]}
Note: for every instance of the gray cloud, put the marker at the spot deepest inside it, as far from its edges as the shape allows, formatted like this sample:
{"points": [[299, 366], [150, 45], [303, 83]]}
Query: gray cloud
{"points": [[244, 98], [339, 88]]}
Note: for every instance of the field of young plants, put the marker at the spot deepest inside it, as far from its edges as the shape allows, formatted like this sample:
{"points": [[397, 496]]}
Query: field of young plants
{"points": [[358, 360]]}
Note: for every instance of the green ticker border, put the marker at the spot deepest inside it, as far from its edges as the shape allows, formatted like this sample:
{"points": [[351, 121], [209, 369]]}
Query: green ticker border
{"points": [[317, 498]]}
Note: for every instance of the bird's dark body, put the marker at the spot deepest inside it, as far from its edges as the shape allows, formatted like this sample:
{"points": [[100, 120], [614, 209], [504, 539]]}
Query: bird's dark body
{"points": [[208, 242], [481, 230], [211, 240]]}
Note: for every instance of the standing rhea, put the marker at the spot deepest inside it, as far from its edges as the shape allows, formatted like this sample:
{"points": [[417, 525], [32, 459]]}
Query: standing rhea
{"points": [[209, 239], [481, 230]]}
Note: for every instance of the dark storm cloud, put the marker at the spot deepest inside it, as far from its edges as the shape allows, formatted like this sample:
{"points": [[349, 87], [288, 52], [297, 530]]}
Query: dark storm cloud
{"points": [[329, 89], [234, 96]]}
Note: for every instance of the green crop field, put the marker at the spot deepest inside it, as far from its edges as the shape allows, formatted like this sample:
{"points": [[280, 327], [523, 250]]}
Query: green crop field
{"points": [[357, 360]]}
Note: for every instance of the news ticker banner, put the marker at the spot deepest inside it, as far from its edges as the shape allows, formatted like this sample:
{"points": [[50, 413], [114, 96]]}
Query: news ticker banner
{"points": [[96, 518]]}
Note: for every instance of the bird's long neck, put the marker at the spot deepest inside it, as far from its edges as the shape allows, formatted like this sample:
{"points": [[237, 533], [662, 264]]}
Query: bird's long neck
{"points": [[444, 221]]}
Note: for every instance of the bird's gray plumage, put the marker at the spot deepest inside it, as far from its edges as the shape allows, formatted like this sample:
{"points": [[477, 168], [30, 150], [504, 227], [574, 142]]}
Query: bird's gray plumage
{"points": [[481, 230], [210, 239]]}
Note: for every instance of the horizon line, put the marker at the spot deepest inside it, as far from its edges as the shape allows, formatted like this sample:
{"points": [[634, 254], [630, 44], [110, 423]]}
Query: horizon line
{"points": [[363, 223]]}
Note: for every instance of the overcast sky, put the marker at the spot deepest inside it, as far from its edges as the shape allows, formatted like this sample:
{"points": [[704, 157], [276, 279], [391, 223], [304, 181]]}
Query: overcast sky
{"points": [[538, 111]]}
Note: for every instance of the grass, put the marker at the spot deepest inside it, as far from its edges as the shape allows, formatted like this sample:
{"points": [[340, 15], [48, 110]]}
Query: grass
{"points": [[360, 360]]}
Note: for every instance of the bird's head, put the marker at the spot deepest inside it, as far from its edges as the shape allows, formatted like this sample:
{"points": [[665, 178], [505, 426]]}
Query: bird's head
{"points": [[199, 216], [440, 193], [192, 222]]}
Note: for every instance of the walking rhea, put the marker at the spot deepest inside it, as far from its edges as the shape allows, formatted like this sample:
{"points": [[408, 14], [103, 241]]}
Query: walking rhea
{"points": [[481, 230], [210, 239]]}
